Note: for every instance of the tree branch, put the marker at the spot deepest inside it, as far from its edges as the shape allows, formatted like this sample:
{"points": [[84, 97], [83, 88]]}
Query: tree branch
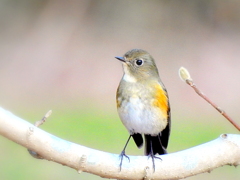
{"points": [[224, 150], [185, 76]]}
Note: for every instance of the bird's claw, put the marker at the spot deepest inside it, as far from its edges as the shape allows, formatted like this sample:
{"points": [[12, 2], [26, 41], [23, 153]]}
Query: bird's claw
{"points": [[121, 157], [153, 156]]}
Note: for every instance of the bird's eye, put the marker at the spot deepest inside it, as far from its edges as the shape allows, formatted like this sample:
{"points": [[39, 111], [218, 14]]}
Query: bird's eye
{"points": [[139, 62]]}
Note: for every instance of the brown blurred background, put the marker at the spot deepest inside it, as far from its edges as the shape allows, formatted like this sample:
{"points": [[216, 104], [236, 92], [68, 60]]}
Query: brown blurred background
{"points": [[59, 55]]}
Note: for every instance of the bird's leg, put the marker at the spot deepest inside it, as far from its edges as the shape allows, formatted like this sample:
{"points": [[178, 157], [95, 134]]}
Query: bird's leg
{"points": [[123, 154], [153, 156]]}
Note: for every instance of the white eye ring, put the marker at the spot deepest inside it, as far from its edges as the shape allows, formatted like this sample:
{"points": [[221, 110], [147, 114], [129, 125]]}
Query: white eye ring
{"points": [[139, 62]]}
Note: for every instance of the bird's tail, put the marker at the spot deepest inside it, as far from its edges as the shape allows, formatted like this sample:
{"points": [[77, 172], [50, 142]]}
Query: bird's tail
{"points": [[154, 145]]}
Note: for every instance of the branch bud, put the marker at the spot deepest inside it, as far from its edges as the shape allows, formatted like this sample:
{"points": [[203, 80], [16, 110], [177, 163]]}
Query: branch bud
{"points": [[184, 74]]}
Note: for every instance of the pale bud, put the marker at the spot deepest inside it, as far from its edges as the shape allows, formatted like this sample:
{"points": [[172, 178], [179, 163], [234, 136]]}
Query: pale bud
{"points": [[184, 74]]}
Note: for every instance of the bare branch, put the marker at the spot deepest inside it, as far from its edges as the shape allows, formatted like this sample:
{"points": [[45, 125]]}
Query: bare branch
{"points": [[224, 150], [40, 122], [185, 76], [37, 124]]}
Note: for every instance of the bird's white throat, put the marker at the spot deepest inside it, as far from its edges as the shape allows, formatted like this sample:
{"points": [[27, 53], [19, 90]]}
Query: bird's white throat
{"points": [[128, 77]]}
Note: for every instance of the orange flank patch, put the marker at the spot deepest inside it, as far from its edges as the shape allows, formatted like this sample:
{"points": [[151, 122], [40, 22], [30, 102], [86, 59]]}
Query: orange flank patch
{"points": [[161, 100]]}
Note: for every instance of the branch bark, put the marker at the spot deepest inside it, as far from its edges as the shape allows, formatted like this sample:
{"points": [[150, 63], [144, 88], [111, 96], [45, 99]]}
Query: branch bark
{"points": [[224, 150]]}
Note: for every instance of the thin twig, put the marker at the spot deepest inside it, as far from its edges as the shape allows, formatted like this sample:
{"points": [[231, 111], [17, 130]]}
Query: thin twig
{"points": [[40, 122], [185, 76], [37, 124]]}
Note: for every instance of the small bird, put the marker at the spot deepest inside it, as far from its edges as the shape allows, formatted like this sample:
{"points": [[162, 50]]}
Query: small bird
{"points": [[143, 104]]}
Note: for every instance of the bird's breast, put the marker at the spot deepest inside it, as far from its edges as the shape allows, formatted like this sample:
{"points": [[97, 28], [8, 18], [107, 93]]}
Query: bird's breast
{"points": [[143, 109]]}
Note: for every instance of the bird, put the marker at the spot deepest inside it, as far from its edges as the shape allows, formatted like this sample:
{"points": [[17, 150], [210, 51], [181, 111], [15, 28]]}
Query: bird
{"points": [[143, 104]]}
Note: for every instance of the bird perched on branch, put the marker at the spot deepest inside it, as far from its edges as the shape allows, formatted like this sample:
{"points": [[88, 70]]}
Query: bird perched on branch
{"points": [[143, 104]]}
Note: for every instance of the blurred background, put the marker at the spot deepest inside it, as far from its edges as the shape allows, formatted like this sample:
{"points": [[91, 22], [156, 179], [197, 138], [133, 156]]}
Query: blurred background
{"points": [[59, 55]]}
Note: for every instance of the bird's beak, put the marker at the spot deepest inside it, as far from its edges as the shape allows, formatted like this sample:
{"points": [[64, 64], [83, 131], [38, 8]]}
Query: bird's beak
{"points": [[120, 58]]}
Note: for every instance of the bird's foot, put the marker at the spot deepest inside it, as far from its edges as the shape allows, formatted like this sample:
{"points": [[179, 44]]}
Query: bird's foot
{"points": [[121, 156], [153, 156]]}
